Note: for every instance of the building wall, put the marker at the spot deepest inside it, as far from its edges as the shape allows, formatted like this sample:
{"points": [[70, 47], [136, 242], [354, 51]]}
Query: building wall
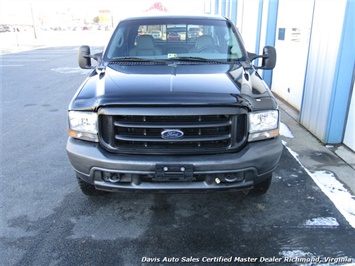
{"points": [[321, 66], [349, 136], [292, 43], [247, 22]]}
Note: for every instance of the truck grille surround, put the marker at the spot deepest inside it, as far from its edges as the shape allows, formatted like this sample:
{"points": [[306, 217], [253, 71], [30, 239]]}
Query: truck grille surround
{"points": [[194, 130]]}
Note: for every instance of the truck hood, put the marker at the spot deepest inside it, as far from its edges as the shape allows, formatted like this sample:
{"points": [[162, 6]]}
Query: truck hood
{"points": [[173, 84]]}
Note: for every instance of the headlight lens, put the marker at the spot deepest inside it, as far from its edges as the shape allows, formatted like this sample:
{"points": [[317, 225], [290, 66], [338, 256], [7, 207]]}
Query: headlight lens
{"points": [[83, 125], [263, 125]]}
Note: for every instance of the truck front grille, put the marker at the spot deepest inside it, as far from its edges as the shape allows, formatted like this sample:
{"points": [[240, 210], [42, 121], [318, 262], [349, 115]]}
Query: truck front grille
{"points": [[131, 132]]}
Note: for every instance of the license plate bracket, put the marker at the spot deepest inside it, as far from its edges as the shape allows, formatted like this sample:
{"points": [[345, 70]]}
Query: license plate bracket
{"points": [[173, 173]]}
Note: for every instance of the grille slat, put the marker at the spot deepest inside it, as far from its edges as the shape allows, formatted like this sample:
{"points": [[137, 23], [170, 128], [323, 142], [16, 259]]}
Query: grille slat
{"points": [[143, 134], [172, 125], [189, 139]]}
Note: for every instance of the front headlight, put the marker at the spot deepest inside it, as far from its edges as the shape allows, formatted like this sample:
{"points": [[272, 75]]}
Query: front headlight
{"points": [[83, 125], [263, 125]]}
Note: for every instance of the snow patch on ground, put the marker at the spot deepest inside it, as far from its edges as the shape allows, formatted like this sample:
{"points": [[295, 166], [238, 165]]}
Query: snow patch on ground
{"points": [[285, 131], [334, 189], [71, 70], [322, 222], [296, 254]]}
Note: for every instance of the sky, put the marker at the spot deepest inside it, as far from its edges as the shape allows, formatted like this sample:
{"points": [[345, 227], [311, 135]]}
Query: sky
{"points": [[19, 11]]}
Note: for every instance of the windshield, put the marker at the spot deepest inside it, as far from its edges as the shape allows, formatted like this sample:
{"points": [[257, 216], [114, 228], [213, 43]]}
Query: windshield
{"points": [[174, 39]]}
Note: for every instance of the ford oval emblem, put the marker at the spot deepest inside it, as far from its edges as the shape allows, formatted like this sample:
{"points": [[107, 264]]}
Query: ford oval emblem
{"points": [[172, 134]]}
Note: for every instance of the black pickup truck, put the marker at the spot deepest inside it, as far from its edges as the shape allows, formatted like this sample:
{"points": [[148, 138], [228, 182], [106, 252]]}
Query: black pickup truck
{"points": [[174, 111]]}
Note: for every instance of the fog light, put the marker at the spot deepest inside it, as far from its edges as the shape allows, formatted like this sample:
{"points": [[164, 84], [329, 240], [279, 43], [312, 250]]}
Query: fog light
{"points": [[234, 177], [115, 178], [111, 177]]}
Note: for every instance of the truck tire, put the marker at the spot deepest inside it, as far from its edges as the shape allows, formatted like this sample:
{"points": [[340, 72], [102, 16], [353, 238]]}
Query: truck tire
{"points": [[261, 188], [89, 189]]}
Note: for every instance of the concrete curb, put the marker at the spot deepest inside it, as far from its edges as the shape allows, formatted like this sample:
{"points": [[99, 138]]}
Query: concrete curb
{"points": [[313, 154]]}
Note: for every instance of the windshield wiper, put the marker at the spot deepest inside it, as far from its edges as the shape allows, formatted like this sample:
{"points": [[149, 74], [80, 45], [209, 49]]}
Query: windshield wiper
{"points": [[136, 59], [202, 59], [192, 58], [175, 59]]}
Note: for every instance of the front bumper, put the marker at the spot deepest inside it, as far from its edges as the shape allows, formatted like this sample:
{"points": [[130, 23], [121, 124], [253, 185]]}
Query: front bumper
{"points": [[228, 171]]}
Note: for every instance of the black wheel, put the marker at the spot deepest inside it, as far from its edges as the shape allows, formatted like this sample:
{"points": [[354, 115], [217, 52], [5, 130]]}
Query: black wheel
{"points": [[88, 189], [261, 188]]}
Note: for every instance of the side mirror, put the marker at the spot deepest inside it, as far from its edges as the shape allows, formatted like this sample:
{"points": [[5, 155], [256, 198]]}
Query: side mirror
{"points": [[268, 58], [84, 57]]}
